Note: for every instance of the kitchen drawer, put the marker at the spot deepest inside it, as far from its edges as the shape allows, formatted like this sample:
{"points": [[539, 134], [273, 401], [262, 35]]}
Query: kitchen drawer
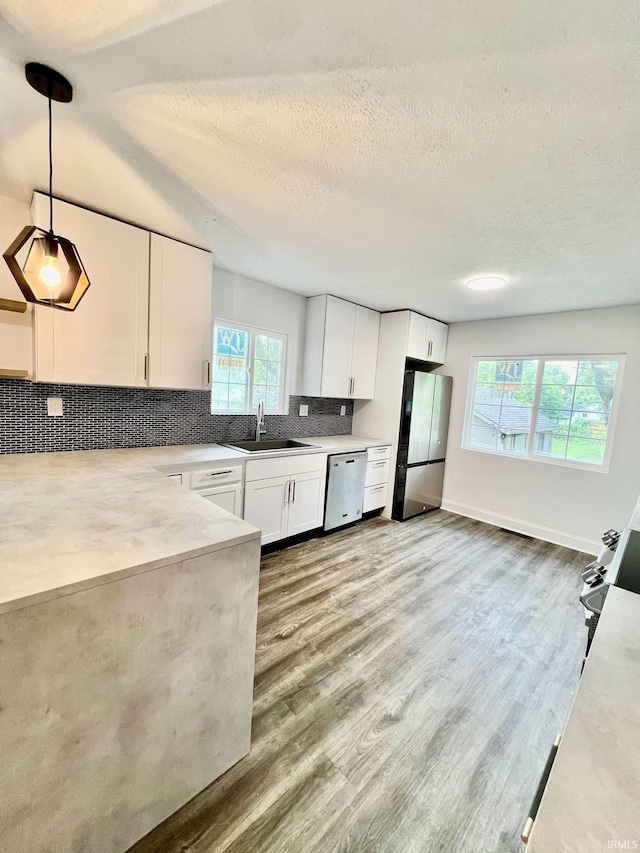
{"points": [[374, 454], [377, 473], [216, 476], [375, 497], [282, 466]]}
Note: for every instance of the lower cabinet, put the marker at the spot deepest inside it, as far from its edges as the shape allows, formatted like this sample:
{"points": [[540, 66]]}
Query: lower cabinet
{"points": [[228, 497], [284, 496], [376, 483]]}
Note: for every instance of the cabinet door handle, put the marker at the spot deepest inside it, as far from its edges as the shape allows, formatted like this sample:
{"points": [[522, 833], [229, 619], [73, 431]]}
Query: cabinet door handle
{"points": [[353, 386], [293, 500], [379, 464], [287, 491], [430, 347], [207, 367], [146, 366]]}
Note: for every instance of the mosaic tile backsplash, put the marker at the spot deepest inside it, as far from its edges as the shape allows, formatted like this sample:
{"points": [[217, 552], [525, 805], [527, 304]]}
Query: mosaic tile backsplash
{"points": [[97, 418]]}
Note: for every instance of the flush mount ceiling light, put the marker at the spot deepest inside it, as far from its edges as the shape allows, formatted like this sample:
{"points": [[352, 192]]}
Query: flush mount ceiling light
{"points": [[486, 282], [52, 273]]}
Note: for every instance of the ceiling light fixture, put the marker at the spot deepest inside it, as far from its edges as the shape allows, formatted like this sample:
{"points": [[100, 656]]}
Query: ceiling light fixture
{"points": [[52, 273], [486, 282]]}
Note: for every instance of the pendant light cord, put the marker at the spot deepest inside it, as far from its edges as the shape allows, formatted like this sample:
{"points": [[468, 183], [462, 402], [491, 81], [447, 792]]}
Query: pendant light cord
{"points": [[50, 170]]}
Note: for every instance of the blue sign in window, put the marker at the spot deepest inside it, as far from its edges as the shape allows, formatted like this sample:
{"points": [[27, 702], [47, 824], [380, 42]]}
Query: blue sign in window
{"points": [[509, 372], [231, 342]]}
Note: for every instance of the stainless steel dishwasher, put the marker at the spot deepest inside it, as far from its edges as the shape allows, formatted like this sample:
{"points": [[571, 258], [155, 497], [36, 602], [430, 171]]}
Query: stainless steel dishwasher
{"points": [[345, 489]]}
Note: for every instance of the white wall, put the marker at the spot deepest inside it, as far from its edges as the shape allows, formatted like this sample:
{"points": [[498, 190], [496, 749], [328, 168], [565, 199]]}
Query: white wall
{"points": [[256, 304], [15, 329], [565, 505]]}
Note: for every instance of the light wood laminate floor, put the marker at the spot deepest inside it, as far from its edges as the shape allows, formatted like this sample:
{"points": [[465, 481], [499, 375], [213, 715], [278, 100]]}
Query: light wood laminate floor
{"points": [[410, 679]]}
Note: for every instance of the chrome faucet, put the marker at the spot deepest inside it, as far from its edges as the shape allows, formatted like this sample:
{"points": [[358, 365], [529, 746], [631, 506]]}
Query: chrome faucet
{"points": [[260, 425]]}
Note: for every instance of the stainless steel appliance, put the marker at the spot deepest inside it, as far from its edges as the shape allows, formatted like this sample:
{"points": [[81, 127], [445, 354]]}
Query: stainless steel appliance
{"points": [[422, 444], [345, 489]]}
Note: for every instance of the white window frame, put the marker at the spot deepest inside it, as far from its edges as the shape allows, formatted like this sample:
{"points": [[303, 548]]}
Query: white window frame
{"points": [[253, 331], [529, 456]]}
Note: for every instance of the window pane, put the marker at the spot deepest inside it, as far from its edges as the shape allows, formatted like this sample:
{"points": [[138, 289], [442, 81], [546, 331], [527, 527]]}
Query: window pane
{"points": [[259, 395], [598, 373], [259, 372], [586, 450], [570, 396], [230, 342], [220, 395], [273, 373], [556, 397], [560, 373], [238, 397], [502, 405], [262, 347], [275, 349], [272, 397]]}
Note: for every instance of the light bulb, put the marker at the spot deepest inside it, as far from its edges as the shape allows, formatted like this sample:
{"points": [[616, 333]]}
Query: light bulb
{"points": [[49, 272]]}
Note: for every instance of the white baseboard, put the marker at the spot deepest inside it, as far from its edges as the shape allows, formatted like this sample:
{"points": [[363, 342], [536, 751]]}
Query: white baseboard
{"points": [[548, 534]]}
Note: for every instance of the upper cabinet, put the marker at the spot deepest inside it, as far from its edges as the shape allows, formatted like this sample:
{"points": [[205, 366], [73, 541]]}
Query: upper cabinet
{"points": [[180, 326], [16, 336], [105, 341], [426, 339], [341, 349], [146, 319]]}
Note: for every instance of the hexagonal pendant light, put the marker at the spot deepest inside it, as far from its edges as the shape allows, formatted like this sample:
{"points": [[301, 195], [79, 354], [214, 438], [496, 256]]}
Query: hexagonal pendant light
{"points": [[51, 273]]}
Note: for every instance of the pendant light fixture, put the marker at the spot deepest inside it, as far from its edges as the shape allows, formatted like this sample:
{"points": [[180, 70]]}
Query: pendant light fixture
{"points": [[52, 273]]}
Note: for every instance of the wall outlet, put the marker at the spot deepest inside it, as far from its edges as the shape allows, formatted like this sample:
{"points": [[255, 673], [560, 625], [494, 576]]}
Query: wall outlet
{"points": [[54, 407], [343, 410], [304, 410]]}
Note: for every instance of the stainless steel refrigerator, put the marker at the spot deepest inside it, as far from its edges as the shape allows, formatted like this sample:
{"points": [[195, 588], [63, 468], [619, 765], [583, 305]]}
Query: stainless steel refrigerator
{"points": [[422, 445]]}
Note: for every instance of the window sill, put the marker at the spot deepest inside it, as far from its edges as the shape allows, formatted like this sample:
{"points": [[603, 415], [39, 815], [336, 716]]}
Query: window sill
{"points": [[544, 460]]}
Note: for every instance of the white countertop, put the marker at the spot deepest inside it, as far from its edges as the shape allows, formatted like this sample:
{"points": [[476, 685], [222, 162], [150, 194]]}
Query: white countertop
{"points": [[593, 795], [72, 520]]}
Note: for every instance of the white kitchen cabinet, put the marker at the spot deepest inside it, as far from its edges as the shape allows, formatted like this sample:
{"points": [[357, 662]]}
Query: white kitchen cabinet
{"points": [[365, 353], [375, 497], [341, 349], [426, 339], [266, 506], [337, 350], [180, 325], [437, 334], [306, 503], [146, 319], [105, 340], [284, 496], [227, 497], [16, 330]]}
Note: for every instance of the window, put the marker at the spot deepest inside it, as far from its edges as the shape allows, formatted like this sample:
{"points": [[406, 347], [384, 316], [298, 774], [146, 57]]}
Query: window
{"points": [[559, 410], [249, 366]]}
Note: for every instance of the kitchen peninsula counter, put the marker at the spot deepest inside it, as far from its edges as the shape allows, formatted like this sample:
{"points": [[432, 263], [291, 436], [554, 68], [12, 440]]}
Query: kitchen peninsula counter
{"points": [[128, 610]]}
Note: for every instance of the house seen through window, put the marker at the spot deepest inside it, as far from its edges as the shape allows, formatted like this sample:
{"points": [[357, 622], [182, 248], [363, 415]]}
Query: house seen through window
{"points": [[249, 367], [553, 409]]}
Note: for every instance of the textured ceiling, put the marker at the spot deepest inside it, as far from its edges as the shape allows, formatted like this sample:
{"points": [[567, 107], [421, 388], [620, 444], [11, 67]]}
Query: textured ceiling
{"points": [[382, 151]]}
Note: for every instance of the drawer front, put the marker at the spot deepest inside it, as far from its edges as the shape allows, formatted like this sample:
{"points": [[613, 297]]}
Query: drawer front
{"points": [[374, 454], [282, 466], [377, 473], [216, 476], [375, 497]]}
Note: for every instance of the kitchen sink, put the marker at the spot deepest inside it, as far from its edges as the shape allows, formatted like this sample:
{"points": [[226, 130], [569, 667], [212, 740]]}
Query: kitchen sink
{"points": [[267, 445]]}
